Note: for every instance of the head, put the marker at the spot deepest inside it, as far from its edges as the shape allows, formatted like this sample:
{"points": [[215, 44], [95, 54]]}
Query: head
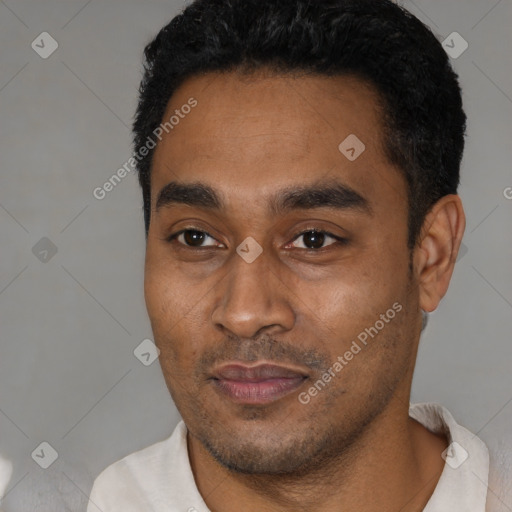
{"points": [[299, 208]]}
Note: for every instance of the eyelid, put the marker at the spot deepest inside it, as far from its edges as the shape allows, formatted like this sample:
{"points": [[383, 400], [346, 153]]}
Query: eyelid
{"points": [[175, 235], [339, 239], [316, 230]]}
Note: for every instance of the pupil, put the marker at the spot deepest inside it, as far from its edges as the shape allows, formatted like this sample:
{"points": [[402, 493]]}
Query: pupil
{"points": [[316, 239], [191, 237]]}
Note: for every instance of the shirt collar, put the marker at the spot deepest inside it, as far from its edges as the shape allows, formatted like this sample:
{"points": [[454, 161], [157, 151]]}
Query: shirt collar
{"points": [[463, 482]]}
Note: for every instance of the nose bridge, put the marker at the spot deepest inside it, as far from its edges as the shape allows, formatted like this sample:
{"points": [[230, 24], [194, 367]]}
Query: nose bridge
{"points": [[252, 299]]}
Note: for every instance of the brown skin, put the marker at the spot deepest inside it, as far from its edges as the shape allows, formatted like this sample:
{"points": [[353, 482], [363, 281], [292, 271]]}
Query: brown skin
{"points": [[353, 447]]}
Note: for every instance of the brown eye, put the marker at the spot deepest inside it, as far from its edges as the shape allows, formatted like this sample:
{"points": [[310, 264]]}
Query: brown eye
{"points": [[313, 239], [193, 238]]}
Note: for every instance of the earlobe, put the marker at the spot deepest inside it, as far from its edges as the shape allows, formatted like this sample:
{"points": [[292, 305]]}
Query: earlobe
{"points": [[436, 253]]}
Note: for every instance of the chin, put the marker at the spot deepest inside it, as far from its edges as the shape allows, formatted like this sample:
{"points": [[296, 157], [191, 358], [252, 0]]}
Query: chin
{"points": [[270, 451]]}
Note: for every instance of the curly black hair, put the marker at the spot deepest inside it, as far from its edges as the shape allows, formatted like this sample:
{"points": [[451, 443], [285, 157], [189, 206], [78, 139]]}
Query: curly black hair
{"points": [[374, 40]]}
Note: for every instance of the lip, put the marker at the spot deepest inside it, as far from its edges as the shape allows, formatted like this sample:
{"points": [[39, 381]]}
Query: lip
{"points": [[258, 384]]}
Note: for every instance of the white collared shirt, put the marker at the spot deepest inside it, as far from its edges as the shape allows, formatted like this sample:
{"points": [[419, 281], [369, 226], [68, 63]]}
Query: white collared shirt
{"points": [[5, 475], [159, 478]]}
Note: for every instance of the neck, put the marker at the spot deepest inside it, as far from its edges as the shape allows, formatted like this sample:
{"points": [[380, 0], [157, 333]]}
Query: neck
{"points": [[395, 464]]}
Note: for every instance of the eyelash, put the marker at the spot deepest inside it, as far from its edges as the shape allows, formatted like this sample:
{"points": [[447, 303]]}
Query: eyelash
{"points": [[339, 240]]}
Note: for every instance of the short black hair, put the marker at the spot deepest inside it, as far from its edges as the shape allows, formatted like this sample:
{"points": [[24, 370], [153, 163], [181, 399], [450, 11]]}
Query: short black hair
{"points": [[374, 40]]}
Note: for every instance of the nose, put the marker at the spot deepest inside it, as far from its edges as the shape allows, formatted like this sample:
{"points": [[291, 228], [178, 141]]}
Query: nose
{"points": [[253, 299]]}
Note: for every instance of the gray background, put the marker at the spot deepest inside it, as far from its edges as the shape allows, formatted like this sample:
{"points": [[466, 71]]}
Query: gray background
{"points": [[70, 324]]}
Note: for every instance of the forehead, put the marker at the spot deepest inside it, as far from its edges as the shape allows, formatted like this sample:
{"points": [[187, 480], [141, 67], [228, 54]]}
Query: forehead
{"points": [[258, 132]]}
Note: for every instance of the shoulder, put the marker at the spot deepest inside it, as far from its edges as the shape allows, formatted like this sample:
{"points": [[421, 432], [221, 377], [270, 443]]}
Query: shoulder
{"points": [[128, 484], [500, 479]]}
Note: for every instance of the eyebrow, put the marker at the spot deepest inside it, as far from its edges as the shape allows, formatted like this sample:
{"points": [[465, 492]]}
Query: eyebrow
{"points": [[332, 194]]}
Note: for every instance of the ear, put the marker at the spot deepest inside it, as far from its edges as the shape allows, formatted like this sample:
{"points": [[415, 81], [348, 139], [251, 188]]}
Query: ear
{"points": [[436, 252]]}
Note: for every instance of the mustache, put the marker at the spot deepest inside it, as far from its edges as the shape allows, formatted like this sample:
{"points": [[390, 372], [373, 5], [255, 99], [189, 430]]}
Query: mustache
{"points": [[264, 347]]}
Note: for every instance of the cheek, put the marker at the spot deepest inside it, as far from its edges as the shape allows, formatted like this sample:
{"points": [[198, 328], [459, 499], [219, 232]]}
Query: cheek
{"points": [[174, 312], [163, 288], [360, 305], [353, 294], [160, 302]]}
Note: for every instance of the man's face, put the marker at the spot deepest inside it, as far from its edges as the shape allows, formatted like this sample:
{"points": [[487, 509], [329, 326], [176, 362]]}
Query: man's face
{"points": [[243, 342]]}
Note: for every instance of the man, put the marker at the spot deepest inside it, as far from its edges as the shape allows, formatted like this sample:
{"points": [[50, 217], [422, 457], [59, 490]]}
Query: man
{"points": [[299, 162]]}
